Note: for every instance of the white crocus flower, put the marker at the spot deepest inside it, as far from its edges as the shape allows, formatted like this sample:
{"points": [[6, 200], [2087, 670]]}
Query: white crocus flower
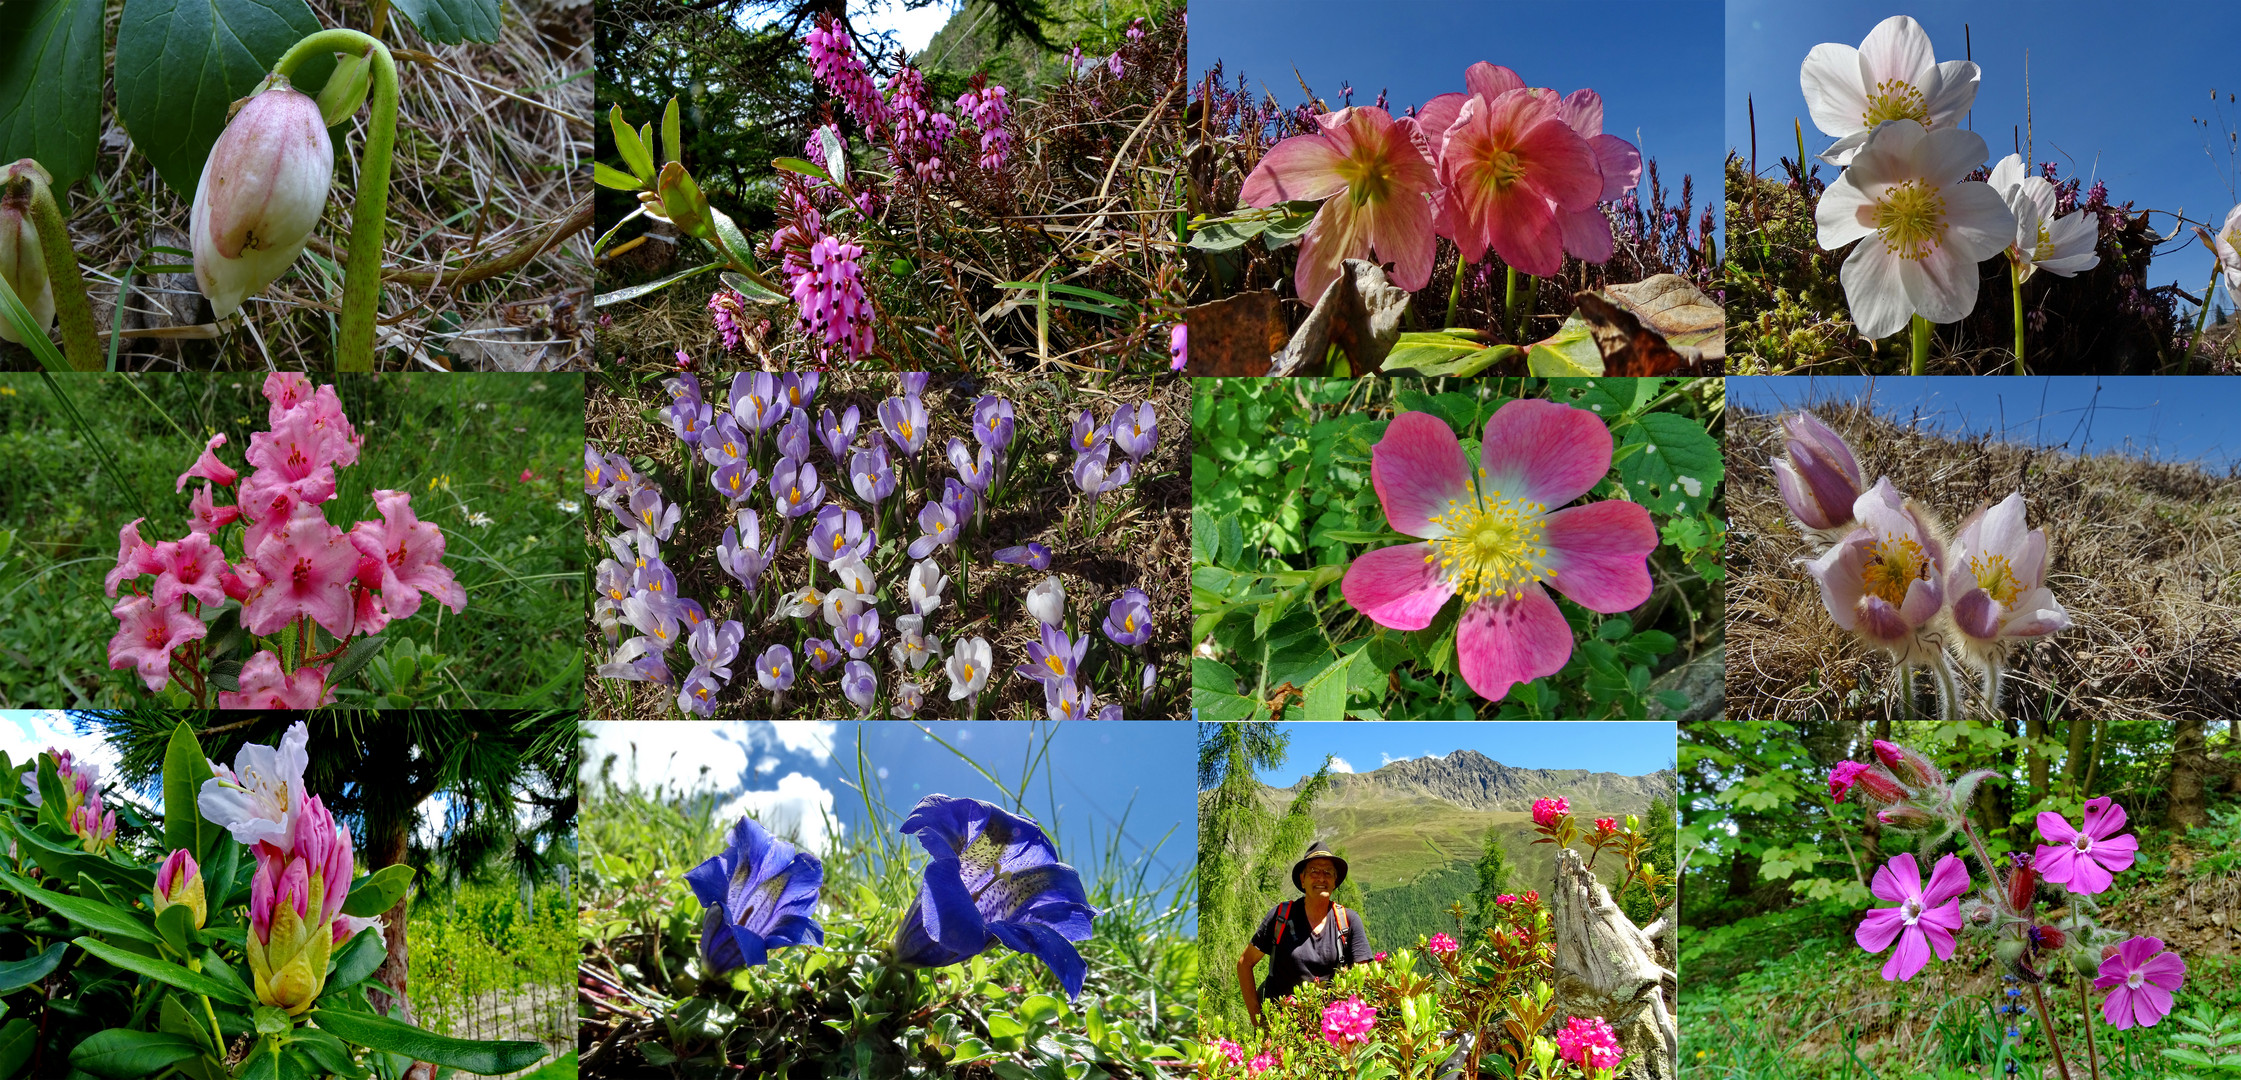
{"points": [[913, 645], [968, 668], [1893, 75], [839, 604], [2061, 247], [855, 579], [1047, 601], [926, 584], [1921, 229]]}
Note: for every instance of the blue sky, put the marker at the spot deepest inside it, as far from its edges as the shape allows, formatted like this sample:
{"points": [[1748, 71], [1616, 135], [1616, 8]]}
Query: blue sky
{"points": [[2113, 93], [2171, 419], [1629, 749], [1656, 64]]}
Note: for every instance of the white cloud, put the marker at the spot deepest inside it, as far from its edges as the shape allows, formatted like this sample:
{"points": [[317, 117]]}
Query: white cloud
{"points": [[685, 755], [24, 734], [765, 766], [1338, 764], [813, 737], [800, 806]]}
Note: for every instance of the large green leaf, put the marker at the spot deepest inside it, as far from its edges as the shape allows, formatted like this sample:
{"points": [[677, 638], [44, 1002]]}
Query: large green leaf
{"points": [[361, 957], [635, 291], [17, 974], [50, 85], [164, 971], [377, 892], [184, 770], [397, 1037], [1678, 466], [123, 1052], [17, 1041], [90, 914], [450, 22], [181, 63]]}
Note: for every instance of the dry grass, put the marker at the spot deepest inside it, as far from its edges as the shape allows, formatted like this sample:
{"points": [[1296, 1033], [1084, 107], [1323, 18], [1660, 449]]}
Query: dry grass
{"points": [[489, 143], [2146, 557], [1145, 546]]}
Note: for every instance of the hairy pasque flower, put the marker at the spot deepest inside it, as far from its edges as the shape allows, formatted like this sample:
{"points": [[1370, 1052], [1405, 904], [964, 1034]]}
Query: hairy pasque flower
{"points": [[1817, 475]]}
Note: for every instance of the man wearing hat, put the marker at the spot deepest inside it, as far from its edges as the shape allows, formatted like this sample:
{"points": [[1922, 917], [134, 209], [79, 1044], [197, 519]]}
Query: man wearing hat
{"points": [[1305, 940]]}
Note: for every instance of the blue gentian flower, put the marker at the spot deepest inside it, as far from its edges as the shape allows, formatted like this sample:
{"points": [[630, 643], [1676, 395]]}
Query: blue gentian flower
{"points": [[995, 878], [760, 894]]}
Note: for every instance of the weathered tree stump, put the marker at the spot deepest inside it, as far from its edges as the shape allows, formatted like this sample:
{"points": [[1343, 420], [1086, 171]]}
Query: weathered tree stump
{"points": [[1608, 967]]}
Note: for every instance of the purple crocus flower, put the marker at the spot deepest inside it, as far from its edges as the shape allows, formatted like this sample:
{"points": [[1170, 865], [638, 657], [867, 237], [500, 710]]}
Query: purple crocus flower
{"points": [[794, 485], [656, 518], [655, 623], [597, 476], [836, 434], [1136, 430], [714, 647], [992, 422], [909, 696], [995, 878], [697, 694], [958, 498], [821, 654], [914, 383], [873, 477], [724, 443], [1109, 712], [761, 894], [775, 668], [657, 584], [793, 439], [1092, 476], [798, 391], [613, 580], [690, 616], [1088, 433], [1027, 554], [736, 481], [1053, 659], [1066, 699], [744, 561], [937, 525], [689, 419], [637, 661], [904, 421], [914, 645], [860, 685], [859, 633], [754, 400], [840, 532], [974, 470], [1130, 620], [682, 387]]}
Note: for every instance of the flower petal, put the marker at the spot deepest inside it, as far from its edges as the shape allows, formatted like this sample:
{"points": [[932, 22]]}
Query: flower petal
{"points": [[1976, 613], [2054, 829], [1873, 289], [1501, 643], [1301, 167], [1401, 233], [1418, 470], [1879, 929], [1599, 554], [1909, 958], [1834, 93], [1044, 944], [2117, 1009], [1897, 49], [1587, 234], [1941, 286], [1544, 451], [1897, 880], [1949, 879], [1837, 218], [1395, 587], [2104, 816]]}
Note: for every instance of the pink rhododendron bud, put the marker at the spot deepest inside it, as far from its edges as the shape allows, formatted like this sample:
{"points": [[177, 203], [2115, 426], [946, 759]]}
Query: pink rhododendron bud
{"points": [[1911, 768], [265, 686], [179, 881], [294, 902], [95, 828], [263, 189], [1817, 475], [21, 261]]}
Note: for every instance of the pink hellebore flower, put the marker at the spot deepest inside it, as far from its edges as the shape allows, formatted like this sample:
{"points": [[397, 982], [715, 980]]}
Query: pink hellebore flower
{"points": [[1587, 233], [208, 466], [1818, 477], [1497, 543], [411, 552], [1513, 170], [265, 686], [146, 634], [306, 569], [2085, 860], [257, 798], [1924, 919], [2140, 977], [1885, 581], [1372, 160], [1998, 577]]}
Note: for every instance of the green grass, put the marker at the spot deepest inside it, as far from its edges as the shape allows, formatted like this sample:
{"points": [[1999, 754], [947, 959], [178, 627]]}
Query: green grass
{"points": [[484, 943], [85, 454]]}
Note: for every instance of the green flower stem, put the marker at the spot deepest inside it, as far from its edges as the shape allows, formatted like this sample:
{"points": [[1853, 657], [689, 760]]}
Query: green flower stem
{"points": [[361, 274], [2201, 319], [1921, 344], [2015, 283], [79, 342], [1455, 290], [1509, 300]]}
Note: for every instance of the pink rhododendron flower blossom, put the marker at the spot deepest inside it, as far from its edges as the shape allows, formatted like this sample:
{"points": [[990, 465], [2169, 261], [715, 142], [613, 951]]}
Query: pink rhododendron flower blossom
{"points": [[1230, 1050], [296, 456], [1512, 170], [190, 568], [1588, 1042], [2085, 860], [134, 557], [265, 686], [1260, 1064], [306, 569], [1604, 824], [258, 796], [1885, 581], [1893, 75], [1924, 919], [1997, 580], [1546, 811], [208, 466], [1348, 1021], [146, 634], [1440, 944], [1376, 163], [205, 516], [2140, 977], [411, 553], [1498, 541]]}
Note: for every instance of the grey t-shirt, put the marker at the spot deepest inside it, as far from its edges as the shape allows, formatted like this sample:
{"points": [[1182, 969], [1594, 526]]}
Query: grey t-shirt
{"points": [[1296, 954]]}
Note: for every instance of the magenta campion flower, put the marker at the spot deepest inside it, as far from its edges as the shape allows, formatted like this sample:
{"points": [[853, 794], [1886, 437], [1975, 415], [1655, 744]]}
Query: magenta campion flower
{"points": [[2085, 860], [2140, 977], [1129, 621], [937, 526], [306, 570], [1027, 554], [993, 877], [904, 421], [837, 433], [1497, 544], [1924, 919], [411, 552], [1363, 154], [1511, 171], [761, 894], [265, 686], [146, 634], [208, 466], [1885, 581], [794, 486]]}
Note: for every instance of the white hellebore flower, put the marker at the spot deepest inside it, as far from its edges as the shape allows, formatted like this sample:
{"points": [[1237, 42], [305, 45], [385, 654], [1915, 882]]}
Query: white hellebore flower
{"points": [[259, 797], [926, 584], [21, 262], [2041, 242], [968, 667], [1893, 75], [1921, 228], [263, 188], [2228, 247], [1047, 601]]}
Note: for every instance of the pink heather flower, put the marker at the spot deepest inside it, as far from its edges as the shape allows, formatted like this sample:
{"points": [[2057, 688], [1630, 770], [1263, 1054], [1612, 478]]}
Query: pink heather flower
{"points": [[1440, 944], [833, 63], [989, 112], [1113, 64], [1589, 1042], [2140, 978], [728, 308], [1546, 811], [1376, 163], [411, 552], [1136, 30], [205, 516], [306, 569], [830, 294], [1495, 545], [190, 568], [265, 686], [1260, 1064], [1924, 919], [1885, 581], [1511, 170], [146, 634], [919, 131], [2085, 860], [134, 557], [1997, 581], [208, 466], [1817, 475], [1348, 1021]]}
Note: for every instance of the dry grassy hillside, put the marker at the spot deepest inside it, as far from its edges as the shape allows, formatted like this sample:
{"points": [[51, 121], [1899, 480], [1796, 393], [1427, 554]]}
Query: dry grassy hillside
{"points": [[2146, 557]]}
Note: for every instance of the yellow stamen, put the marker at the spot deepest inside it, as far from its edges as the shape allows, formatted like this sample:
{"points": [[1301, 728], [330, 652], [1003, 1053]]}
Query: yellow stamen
{"points": [[968, 672], [1911, 217], [1056, 666], [1896, 564], [1895, 99], [1996, 577], [1491, 547], [905, 425]]}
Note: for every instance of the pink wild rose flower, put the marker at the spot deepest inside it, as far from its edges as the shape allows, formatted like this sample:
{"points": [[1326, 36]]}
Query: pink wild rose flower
{"points": [[1496, 544], [1924, 919], [2085, 860], [1376, 163], [2140, 977]]}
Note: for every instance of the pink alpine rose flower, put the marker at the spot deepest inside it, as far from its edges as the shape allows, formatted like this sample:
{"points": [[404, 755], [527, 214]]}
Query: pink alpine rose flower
{"points": [[1588, 1042], [1512, 170], [1546, 811], [146, 634], [1348, 1021], [2140, 977], [265, 686], [1885, 581], [134, 557], [191, 566], [207, 517], [411, 553], [1924, 919], [306, 569], [1998, 581], [1376, 163], [1497, 543], [208, 466], [2085, 860], [1440, 945]]}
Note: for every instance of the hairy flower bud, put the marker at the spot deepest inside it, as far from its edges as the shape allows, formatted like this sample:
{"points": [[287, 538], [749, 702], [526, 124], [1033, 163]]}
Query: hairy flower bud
{"points": [[1817, 476], [1908, 818], [179, 882], [22, 264], [1911, 768], [263, 189], [2022, 881]]}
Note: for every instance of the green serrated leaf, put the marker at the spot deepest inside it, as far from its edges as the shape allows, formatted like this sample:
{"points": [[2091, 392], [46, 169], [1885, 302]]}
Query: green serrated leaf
{"points": [[181, 63], [50, 85], [450, 22]]}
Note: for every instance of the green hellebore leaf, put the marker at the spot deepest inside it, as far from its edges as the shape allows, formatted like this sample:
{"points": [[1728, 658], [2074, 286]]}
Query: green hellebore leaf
{"points": [[181, 63], [1571, 351], [50, 85], [450, 22]]}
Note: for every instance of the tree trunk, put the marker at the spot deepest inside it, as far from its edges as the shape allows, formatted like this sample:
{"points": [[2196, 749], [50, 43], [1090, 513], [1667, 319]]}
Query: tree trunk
{"points": [[2093, 760], [2073, 765], [2190, 765], [385, 843], [2035, 757], [1606, 966]]}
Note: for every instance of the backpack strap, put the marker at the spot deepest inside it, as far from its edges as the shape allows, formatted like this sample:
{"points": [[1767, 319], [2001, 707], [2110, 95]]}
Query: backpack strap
{"points": [[1283, 919], [1343, 951]]}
